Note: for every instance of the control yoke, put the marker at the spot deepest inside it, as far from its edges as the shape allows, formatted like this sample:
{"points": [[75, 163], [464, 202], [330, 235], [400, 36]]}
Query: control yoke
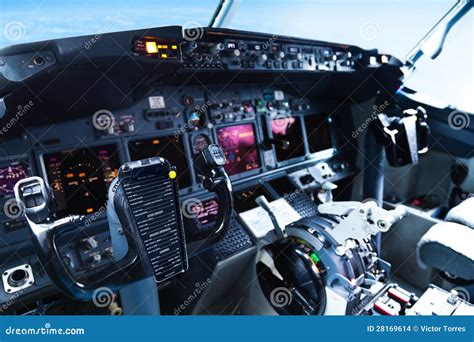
{"points": [[36, 198], [210, 164]]}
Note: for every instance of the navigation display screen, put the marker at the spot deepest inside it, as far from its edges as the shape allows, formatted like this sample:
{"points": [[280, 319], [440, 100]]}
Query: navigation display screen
{"points": [[240, 147], [170, 148], [10, 175], [288, 138], [319, 133], [80, 178]]}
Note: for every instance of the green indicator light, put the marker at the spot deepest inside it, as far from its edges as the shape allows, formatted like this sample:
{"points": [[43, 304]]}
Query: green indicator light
{"points": [[314, 257], [260, 104]]}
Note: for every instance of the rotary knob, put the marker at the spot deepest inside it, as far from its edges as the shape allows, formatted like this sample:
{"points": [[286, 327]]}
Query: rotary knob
{"points": [[235, 53], [279, 55], [216, 48], [262, 58], [190, 47]]}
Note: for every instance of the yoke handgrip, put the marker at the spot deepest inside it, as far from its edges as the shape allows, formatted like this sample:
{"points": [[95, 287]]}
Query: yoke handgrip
{"points": [[35, 197], [210, 164]]}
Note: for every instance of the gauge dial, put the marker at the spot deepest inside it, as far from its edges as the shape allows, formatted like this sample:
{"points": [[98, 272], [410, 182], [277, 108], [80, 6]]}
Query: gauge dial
{"points": [[10, 175], [200, 143]]}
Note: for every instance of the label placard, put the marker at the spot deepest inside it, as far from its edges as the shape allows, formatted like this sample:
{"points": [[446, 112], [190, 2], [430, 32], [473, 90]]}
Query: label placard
{"points": [[156, 102], [152, 201]]}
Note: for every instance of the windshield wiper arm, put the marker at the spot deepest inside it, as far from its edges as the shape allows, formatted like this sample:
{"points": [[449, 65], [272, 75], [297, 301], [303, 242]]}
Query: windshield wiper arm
{"points": [[432, 43], [224, 13]]}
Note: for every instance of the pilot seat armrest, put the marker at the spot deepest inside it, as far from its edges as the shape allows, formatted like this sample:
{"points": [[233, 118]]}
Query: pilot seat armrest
{"points": [[463, 213], [447, 246]]}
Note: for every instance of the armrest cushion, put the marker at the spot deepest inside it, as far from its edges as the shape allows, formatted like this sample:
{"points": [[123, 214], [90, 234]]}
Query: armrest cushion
{"points": [[463, 213], [448, 247]]}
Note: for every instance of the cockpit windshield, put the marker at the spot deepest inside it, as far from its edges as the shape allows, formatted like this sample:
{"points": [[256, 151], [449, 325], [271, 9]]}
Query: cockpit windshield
{"points": [[29, 20], [392, 27]]}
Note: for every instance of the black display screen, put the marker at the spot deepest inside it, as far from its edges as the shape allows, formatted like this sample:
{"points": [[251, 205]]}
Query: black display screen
{"points": [[288, 138], [170, 148], [240, 148], [245, 200], [319, 133], [80, 178]]}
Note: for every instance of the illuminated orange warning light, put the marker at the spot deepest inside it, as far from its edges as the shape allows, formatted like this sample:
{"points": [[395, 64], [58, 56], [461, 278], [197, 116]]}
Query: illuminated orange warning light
{"points": [[90, 210], [151, 47], [70, 175]]}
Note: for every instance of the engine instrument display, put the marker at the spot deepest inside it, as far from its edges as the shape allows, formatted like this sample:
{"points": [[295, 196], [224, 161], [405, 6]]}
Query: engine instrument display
{"points": [[205, 211], [240, 148], [10, 175], [80, 178], [170, 147], [319, 133], [288, 137]]}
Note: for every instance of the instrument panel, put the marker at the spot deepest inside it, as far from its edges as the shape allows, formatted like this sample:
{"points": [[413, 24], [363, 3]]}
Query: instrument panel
{"points": [[261, 130], [231, 50], [274, 131]]}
